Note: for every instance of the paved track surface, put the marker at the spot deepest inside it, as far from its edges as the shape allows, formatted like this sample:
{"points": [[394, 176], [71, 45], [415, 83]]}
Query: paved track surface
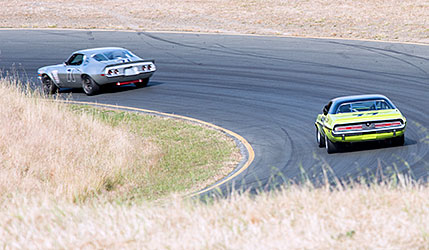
{"points": [[267, 89]]}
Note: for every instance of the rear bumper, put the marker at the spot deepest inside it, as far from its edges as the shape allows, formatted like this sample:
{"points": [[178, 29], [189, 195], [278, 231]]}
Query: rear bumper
{"points": [[368, 136], [129, 82], [122, 80], [369, 131]]}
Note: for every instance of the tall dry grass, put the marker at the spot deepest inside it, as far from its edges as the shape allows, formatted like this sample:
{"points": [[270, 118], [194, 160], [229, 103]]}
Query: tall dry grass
{"points": [[375, 217], [45, 148]]}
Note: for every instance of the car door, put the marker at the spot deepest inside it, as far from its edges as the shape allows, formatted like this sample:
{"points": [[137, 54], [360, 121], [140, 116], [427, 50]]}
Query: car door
{"points": [[70, 74]]}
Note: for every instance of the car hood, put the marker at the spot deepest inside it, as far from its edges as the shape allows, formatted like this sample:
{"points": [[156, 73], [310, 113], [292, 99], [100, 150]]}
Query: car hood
{"points": [[45, 68], [356, 117]]}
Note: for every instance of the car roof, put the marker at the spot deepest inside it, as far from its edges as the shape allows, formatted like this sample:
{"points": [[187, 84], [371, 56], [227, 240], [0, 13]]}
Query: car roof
{"points": [[98, 50], [352, 98]]}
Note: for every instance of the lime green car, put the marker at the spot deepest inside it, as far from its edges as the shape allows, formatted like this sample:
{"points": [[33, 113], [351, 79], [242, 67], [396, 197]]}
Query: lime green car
{"points": [[359, 118]]}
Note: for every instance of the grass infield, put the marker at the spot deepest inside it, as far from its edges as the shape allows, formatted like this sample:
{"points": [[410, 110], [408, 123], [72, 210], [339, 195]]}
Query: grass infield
{"points": [[190, 156]]}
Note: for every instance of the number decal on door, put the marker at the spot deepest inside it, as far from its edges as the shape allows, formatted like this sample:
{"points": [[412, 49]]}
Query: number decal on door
{"points": [[70, 75]]}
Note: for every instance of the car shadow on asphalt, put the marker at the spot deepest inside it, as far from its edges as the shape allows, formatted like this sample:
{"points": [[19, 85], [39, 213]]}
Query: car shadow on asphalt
{"points": [[373, 145], [110, 88]]}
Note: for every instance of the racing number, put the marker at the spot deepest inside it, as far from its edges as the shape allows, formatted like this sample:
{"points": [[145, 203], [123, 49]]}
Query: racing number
{"points": [[70, 75]]}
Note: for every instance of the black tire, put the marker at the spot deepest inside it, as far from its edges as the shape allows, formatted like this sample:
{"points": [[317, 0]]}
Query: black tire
{"points": [[142, 84], [330, 146], [90, 87], [48, 86], [398, 141], [320, 139]]}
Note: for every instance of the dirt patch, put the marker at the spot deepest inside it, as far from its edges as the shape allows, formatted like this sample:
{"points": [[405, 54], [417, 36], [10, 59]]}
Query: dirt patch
{"points": [[393, 20]]}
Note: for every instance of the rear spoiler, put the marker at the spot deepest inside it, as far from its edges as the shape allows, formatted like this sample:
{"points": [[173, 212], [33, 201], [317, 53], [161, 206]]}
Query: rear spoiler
{"points": [[132, 62]]}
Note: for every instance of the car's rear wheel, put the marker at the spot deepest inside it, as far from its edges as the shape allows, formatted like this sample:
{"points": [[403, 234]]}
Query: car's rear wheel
{"points": [[48, 85], [90, 87], [142, 84], [398, 141], [330, 146], [320, 139]]}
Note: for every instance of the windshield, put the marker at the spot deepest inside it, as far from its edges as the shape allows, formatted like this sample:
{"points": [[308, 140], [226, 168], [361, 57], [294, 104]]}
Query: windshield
{"points": [[361, 106]]}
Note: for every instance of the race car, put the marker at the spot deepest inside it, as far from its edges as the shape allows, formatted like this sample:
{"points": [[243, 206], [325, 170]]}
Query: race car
{"points": [[359, 118], [91, 68]]}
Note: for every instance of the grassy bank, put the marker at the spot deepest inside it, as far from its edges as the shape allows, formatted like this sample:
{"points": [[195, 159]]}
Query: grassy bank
{"points": [[376, 217], [189, 157], [392, 20], [76, 152]]}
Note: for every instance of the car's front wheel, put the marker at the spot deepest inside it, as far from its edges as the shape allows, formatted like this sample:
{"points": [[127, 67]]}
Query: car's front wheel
{"points": [[90, 87], [320, 139], [48, 85], [142, 84], [330, 146]]}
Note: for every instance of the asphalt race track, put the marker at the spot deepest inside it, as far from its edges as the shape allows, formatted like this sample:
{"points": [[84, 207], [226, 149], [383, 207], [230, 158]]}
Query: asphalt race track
{"points": [[267, 89]]}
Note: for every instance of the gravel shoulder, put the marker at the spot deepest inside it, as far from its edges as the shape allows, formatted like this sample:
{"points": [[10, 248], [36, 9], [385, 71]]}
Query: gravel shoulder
{"points": [[388, 20]]}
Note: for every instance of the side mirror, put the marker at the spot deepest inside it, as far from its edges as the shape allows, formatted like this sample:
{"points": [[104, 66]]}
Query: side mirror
{"points": [[325, 110], [65, 63]]}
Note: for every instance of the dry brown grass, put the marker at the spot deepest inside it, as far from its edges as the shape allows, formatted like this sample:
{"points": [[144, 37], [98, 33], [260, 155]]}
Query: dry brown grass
{"points": [[377, 217], [80, 152], [405, 20], [45, 148]]}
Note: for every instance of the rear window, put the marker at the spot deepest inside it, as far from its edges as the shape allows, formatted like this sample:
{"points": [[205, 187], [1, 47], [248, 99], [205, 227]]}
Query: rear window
{"points": [[100, 57], [115, 54], [361, 106], [112, 55]]}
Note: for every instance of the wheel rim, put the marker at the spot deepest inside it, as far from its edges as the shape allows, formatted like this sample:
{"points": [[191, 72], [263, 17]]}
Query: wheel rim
{"points": [[47, 84], [326, 142], [87, 85]]}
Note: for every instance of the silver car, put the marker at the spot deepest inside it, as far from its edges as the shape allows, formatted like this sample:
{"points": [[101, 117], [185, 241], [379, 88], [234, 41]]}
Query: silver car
{"points": [[91, 68]]}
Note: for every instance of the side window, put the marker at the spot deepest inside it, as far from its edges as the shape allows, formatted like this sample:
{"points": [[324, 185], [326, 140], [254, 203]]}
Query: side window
{"points": [[326, 108], [75, 59], [100, 57], [382, 105]]}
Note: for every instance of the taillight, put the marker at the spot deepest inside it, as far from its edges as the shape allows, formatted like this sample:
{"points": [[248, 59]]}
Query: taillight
{"points": [[348, 128], [387, 124]]}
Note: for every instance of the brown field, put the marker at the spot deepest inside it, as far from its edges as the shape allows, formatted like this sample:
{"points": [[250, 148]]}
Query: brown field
{"points": [[377, 217], [392, 20]]}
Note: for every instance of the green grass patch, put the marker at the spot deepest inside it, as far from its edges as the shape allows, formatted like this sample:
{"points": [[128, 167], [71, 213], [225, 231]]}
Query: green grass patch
{"points": [[189, 157]]}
